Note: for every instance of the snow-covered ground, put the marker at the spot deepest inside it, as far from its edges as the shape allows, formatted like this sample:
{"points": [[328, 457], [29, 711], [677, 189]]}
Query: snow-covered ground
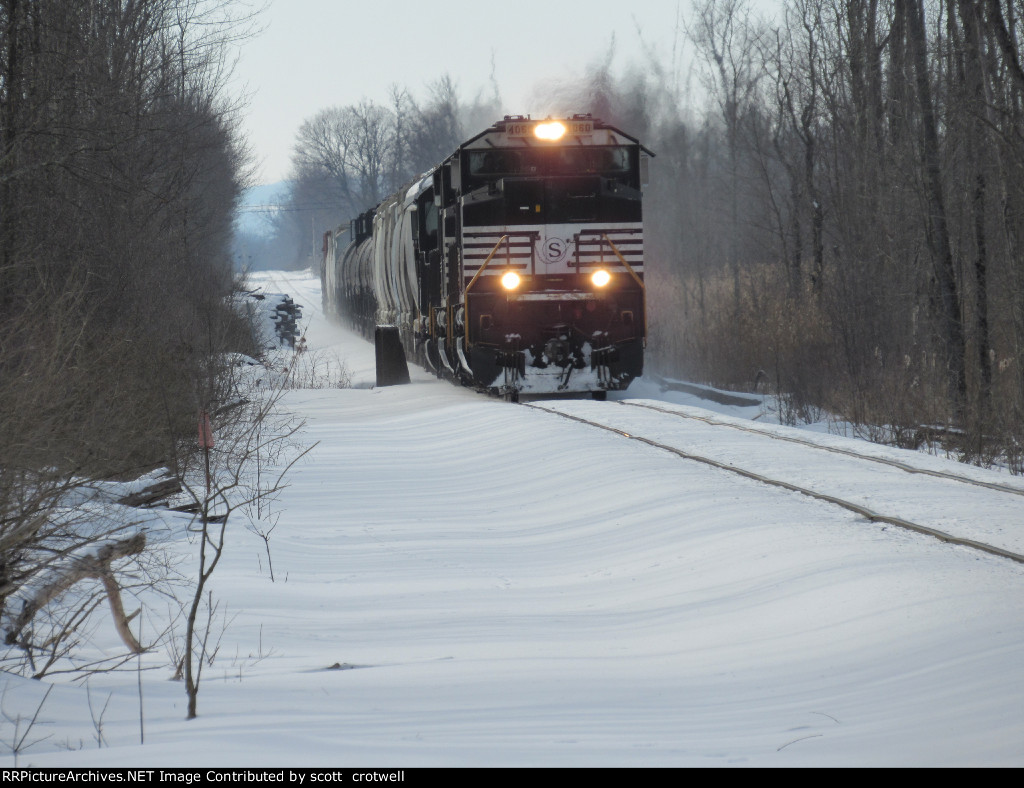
{"points": [[464, 582]]}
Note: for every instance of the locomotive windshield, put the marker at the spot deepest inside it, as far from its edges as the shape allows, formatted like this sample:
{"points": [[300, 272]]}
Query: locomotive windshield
{"points": [[552, 184], [613, 162]]}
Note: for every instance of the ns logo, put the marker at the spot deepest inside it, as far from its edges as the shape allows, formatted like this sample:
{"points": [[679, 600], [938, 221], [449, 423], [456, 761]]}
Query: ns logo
{"points": [[552, 250]]}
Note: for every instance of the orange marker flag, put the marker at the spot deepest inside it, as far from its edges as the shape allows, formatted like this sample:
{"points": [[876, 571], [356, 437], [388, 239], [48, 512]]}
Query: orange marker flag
{"points": [[205, 431]]}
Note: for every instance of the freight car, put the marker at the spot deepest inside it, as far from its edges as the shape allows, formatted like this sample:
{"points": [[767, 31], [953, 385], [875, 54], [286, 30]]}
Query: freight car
{"points": [[514, 266]]}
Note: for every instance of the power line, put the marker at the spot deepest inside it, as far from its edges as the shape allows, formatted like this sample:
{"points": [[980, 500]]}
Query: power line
{"points": [[286, 209]]}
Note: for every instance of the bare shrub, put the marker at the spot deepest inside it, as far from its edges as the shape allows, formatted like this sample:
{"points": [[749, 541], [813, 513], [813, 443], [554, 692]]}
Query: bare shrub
{"points": [[247, 445]]}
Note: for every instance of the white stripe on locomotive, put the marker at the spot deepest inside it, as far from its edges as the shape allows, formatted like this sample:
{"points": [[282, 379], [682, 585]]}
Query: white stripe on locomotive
{"points": [[525, 241]]}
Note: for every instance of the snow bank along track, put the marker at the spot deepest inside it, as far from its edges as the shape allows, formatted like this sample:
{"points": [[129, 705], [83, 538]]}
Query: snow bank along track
{"points": [[852, 506]]}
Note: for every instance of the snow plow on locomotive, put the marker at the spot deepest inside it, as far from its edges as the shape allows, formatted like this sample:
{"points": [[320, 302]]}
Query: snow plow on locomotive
{"points": [[515, 265]]}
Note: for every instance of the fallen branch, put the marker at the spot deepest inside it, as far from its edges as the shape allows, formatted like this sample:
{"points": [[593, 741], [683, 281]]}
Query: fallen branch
{"points": [[94, 567], [152, 494]]}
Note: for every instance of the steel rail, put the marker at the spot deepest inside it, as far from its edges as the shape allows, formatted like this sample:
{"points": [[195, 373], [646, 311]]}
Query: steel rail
{"points": [[835, 450], [868, 514]]}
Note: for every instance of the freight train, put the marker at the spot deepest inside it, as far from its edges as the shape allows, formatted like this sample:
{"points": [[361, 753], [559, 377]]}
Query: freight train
{"points": [[515, 266]]}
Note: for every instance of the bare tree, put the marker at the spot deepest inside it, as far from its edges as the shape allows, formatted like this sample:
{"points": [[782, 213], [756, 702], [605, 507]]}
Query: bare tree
{"points": [[951, 324], [349, 150], [347, 159], [434, 127], [728, 36]]}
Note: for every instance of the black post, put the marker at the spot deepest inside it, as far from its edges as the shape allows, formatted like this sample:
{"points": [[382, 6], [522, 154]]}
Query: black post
{"points": [[392, 369]]}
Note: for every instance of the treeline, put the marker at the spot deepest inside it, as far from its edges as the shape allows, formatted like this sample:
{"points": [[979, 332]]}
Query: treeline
{"points": [[120, 170], [871, 212], [347, 159], [842, 222]]}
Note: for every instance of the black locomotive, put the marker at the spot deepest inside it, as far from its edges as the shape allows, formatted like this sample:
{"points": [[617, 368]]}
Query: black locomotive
{"points": [[515, 265]]}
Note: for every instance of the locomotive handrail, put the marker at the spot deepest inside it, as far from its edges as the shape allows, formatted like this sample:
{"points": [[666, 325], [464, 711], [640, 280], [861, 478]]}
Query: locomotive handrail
{"points": [[472, 282], [487, 262], [629, 268], [632, 273]]}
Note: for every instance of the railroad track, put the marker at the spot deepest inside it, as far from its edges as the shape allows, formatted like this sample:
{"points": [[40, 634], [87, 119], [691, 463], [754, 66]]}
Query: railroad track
{"points": [[606, 415], [1006, 488]]}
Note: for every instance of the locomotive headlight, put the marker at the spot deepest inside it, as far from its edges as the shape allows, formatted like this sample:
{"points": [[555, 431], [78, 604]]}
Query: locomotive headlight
{"points": [[600, 278], [510, 280], [550, 130]]}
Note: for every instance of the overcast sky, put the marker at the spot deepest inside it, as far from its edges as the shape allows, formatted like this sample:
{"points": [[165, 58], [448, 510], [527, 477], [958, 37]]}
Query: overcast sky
{"points": [[314, 54]]}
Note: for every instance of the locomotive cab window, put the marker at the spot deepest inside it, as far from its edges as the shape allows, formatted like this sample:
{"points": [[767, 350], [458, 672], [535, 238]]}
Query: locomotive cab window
{"points": [[616, 162], [610, 162]]}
